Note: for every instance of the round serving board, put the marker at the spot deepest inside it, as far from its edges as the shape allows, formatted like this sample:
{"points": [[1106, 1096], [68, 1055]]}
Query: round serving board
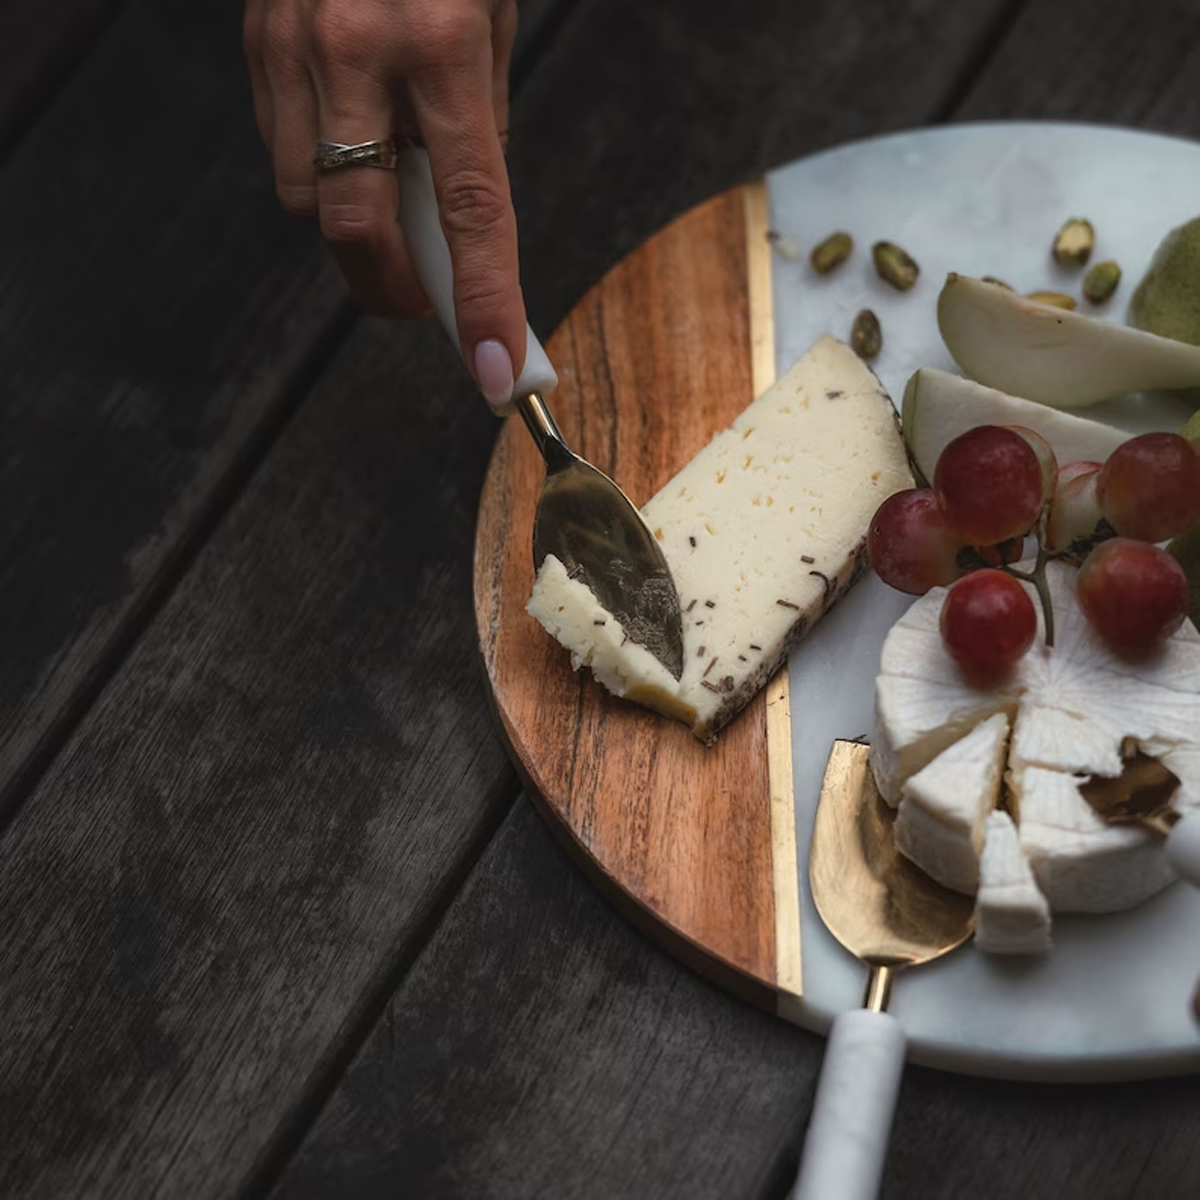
{"points": [[706, 848]]}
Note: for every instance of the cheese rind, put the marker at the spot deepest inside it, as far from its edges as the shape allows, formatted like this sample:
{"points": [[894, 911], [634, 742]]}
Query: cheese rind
{"points": [[763, 531]]}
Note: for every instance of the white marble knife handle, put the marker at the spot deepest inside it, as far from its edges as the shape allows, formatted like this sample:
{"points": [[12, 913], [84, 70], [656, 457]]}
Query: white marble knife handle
{"points": [[1183, 848], [847, 1139], [431, 260]]}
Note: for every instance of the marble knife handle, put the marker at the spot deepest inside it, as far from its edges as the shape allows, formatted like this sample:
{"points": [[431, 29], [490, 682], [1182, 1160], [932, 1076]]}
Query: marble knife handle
{"points": [[847, 1139], [431, 260]]}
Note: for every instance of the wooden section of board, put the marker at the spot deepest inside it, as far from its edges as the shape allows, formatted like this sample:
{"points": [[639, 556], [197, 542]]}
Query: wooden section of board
{"points": [[653, 361]]}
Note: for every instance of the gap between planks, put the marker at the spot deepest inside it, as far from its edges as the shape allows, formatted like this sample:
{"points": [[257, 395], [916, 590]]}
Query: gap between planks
{"points": [[784, 867]]}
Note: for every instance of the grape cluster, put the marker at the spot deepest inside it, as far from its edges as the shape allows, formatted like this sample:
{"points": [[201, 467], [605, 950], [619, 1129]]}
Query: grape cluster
{"points": [[995, 485]]}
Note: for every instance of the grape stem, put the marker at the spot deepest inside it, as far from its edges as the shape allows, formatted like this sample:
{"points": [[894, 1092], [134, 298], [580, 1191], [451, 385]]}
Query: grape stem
{"points": [[1038, 575]]}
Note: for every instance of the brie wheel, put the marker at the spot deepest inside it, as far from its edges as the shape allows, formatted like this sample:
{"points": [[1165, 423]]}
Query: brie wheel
{"points": [[1072, 708]]}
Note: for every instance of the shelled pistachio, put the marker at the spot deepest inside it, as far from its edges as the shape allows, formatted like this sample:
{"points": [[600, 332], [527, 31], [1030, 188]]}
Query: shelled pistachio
{"points": [[1074, 242], [1101, 281], [895, 265], [830, 253], [866, 337]]}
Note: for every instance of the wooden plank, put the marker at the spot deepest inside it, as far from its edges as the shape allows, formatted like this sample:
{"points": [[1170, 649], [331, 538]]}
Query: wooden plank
{"points": [[1137, 67], [541, 1048], [158, 332], [217, 880], [654, 360], [40, 44], [188, 891]]}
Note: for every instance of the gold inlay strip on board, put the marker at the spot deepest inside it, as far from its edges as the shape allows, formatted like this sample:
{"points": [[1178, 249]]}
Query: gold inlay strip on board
{"points": [[784, 870]]}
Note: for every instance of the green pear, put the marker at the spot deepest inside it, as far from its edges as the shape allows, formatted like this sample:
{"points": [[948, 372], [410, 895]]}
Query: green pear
{"points": [[1167, 301]]}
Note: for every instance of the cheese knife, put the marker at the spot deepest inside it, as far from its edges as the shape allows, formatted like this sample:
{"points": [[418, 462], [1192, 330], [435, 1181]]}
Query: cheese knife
{"points": [[583, 518], [890, 915]]}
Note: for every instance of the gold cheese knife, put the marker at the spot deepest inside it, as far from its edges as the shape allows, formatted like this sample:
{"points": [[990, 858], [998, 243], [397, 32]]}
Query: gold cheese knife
{"points": [[582, 517], [890, 914]]}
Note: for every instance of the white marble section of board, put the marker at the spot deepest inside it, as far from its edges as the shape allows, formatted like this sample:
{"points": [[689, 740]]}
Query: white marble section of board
{"points": [[1112, 1000], [983, 199]]}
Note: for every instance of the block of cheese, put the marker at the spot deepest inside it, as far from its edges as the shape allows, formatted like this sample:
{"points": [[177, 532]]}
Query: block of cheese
{"points": [[944, 806], [1011, 914], [763, 530], [1077, 711]]}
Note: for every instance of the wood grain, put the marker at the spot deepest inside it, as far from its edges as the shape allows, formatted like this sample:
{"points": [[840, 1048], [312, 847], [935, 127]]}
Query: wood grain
{"points": [[654, 361]]}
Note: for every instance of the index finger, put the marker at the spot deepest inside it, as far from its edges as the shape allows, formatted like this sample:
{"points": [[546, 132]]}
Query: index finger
{"points": [[453, 105]]}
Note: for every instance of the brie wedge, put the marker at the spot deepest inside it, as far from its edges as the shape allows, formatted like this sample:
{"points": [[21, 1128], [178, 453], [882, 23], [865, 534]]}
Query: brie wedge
{"points": [[944, 806], [1011, 914], [763, 530], [1074, 709]]}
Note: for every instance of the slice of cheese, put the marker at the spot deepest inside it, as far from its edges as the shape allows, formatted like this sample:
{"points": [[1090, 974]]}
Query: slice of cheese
{"points": [[763, 530], [1075, 707], [1011, 914], [944, 806]]}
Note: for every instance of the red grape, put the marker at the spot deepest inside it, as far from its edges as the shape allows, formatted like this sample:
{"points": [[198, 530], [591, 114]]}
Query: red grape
{"points": [[988, 622], [1074, 509], [1149, 488], [1047, 459], [908, 542], [1133, 593], [988, 484]]}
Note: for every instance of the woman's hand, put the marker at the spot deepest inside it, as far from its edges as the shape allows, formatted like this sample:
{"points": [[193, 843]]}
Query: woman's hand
{"points": [[353, 71]]}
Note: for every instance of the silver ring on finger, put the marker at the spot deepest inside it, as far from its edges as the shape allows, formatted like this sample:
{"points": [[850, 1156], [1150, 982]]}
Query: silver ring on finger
{"points": [[336, 156]]}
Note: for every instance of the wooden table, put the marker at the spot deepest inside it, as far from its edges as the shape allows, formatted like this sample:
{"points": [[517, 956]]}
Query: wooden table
{"points": [[275, 916]]}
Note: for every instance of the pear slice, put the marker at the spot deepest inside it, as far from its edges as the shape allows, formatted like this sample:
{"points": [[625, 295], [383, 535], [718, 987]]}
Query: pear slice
{"points": [[938, 406], [1064, 359]]}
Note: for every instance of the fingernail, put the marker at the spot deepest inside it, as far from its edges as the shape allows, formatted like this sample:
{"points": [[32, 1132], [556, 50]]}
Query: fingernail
{"points": [[494, 373]]}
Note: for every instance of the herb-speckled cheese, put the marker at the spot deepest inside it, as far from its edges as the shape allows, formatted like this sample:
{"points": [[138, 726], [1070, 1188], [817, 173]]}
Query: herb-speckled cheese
{"points": [[763, 530]]}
